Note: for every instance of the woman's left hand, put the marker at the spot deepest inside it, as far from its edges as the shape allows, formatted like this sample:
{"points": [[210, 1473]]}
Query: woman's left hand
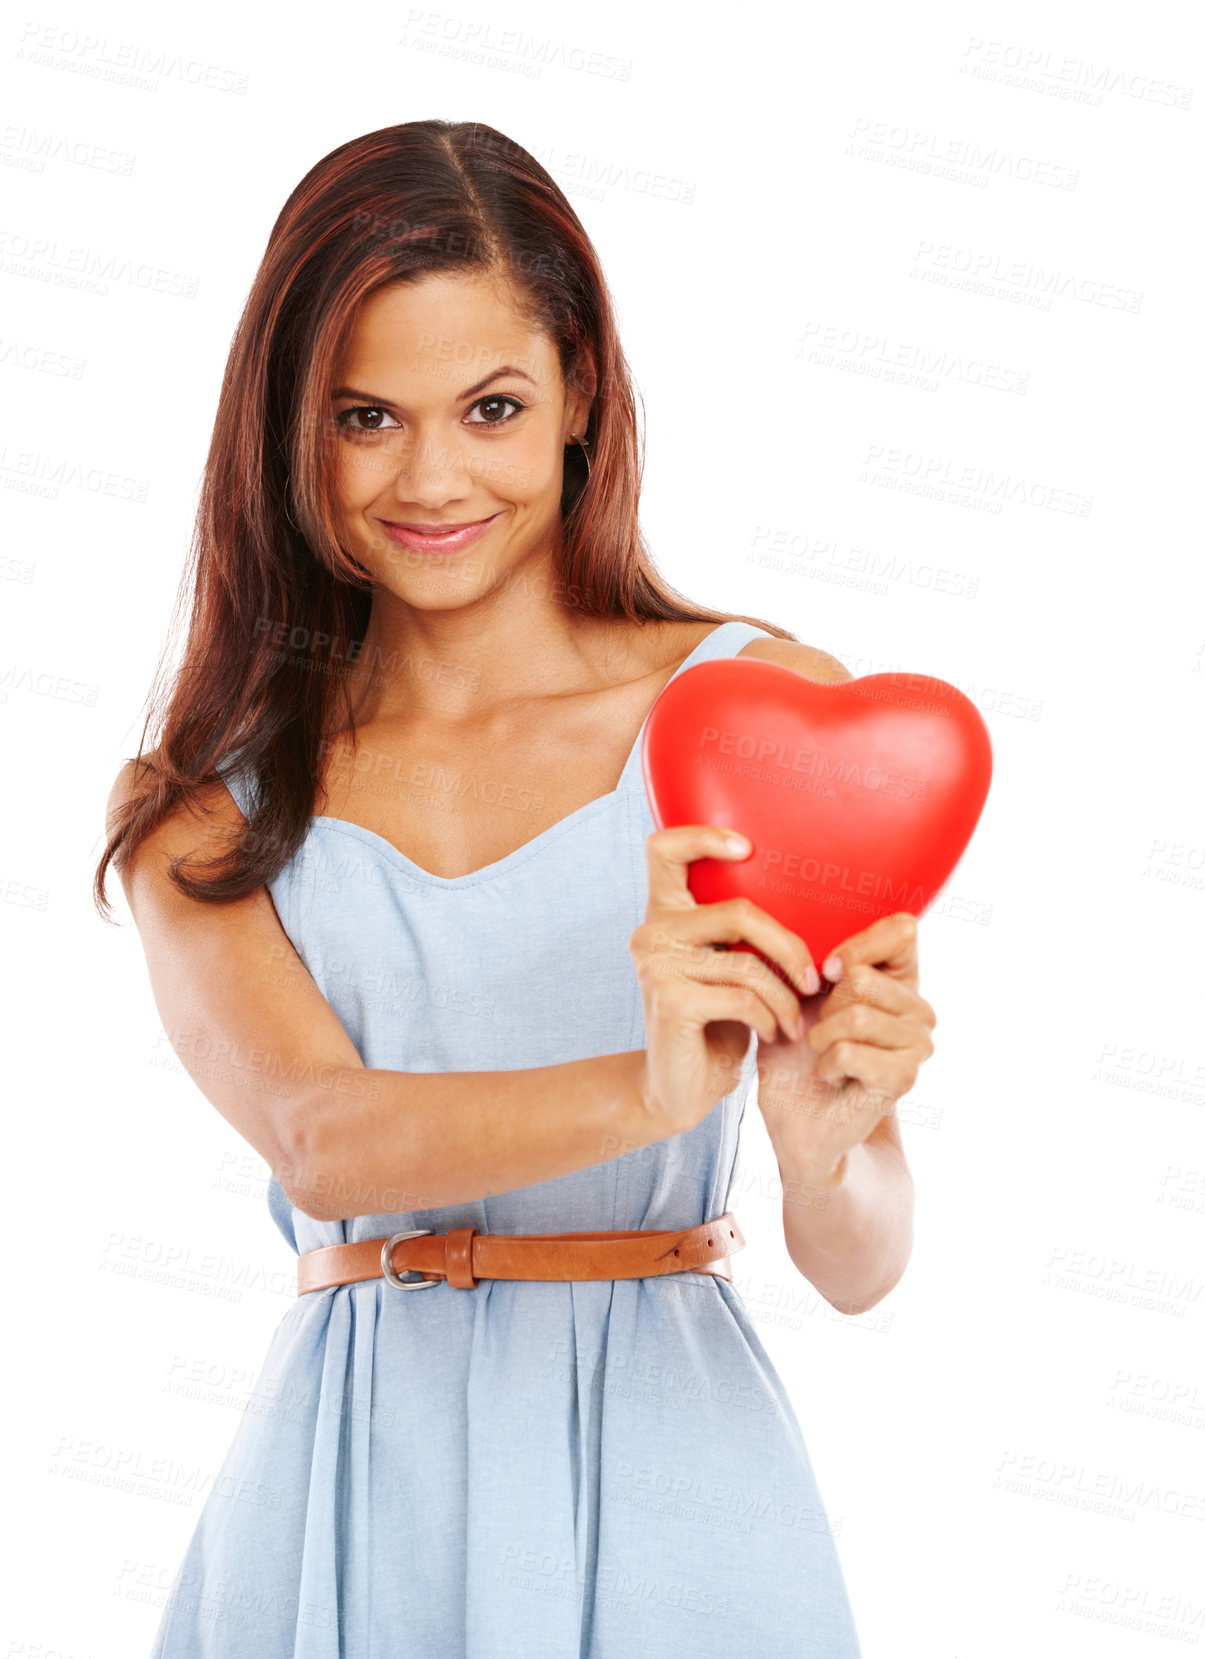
{"points": [[864, 1044]]}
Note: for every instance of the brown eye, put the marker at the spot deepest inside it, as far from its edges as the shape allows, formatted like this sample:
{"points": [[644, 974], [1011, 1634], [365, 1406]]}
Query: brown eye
{"points": [[494, 399], [345, 421]]}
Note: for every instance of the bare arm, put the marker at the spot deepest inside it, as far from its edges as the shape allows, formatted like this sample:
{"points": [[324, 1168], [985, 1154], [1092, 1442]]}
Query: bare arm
{"points": [[266, 1049], [851, 1235], [382, 1141]]}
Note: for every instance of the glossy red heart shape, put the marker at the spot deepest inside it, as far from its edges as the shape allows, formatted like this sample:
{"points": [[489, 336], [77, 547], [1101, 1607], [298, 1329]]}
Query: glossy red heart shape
{"points": [[859, 796]]}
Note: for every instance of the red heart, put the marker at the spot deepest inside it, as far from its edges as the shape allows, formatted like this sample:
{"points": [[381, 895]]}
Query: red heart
{"points": [[859, 796]]}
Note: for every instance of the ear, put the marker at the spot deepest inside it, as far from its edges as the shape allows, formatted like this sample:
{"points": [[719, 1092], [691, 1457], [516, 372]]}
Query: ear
{"points": [[581, 386]]}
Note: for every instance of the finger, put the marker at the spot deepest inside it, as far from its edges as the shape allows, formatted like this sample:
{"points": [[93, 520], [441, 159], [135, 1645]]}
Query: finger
{"points": [[743, 921], [702, 1004], [669, 853], [889, 943], [858, 1022], [783, 1005], [885, 1073], [669, 949], [862, 983]]}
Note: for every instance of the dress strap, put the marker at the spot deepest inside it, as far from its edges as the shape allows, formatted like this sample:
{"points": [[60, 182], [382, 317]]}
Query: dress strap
{"points": [[723, 641], [238, 781]]}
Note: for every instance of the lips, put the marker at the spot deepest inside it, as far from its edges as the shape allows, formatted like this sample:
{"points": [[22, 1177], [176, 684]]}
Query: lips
{"points": [[434, 529], [437, 538]]}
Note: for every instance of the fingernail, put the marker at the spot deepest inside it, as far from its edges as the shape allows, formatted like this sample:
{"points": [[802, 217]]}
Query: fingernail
{"points": [[811, 981], [832, 967], [737, 843]]}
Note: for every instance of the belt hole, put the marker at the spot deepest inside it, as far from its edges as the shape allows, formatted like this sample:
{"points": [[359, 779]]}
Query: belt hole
{"points": [[677, 1252]]}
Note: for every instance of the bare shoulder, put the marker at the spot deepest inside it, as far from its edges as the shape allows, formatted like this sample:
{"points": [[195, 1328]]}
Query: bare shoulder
{"points": [[214, 799], [669, 643], [182, 831], [631, 653], [808, 660]]}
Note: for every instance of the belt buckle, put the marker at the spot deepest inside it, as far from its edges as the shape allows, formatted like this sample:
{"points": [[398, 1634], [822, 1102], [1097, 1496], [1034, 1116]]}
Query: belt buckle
{"points": [[387, 1265]]}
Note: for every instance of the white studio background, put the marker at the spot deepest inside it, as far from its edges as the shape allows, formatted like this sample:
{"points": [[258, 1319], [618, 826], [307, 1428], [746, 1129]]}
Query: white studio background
{"points": [[912, 297]]}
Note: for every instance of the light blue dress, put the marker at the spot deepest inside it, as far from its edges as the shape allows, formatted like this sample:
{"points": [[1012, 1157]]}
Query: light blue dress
{"points": [[605, 1469]]}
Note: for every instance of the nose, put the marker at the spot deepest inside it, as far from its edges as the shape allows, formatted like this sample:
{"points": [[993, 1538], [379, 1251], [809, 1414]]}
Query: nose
{"points": [[429, 469]]}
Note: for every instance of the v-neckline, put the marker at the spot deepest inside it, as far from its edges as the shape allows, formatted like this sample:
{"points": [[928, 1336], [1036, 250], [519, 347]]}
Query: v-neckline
{"points": [[631, 767]]}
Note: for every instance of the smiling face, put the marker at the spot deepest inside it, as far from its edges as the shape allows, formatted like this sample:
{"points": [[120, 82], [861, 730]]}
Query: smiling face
{"points": [[449, 408]]}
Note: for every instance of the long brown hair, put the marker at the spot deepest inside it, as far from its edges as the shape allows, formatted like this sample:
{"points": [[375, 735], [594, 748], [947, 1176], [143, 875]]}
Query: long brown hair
{"points": [[277, 607]]}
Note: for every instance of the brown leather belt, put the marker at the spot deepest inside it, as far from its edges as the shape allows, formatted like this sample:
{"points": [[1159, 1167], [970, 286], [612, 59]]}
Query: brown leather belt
{"points": [[463, 1255]]}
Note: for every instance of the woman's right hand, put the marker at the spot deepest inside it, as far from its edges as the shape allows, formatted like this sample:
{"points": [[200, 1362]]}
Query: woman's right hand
{"points": [[700, 1002]]}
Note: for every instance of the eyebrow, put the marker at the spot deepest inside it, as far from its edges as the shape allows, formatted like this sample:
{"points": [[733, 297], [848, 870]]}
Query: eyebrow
{"points": [[384, 403]]}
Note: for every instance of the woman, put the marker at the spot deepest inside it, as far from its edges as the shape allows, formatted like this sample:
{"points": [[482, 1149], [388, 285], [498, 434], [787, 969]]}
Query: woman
{"points": [[392, 860]]}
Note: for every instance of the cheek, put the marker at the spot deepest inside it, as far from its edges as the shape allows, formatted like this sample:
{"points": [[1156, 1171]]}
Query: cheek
{"points": [[530, 472], [359, 477]]}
